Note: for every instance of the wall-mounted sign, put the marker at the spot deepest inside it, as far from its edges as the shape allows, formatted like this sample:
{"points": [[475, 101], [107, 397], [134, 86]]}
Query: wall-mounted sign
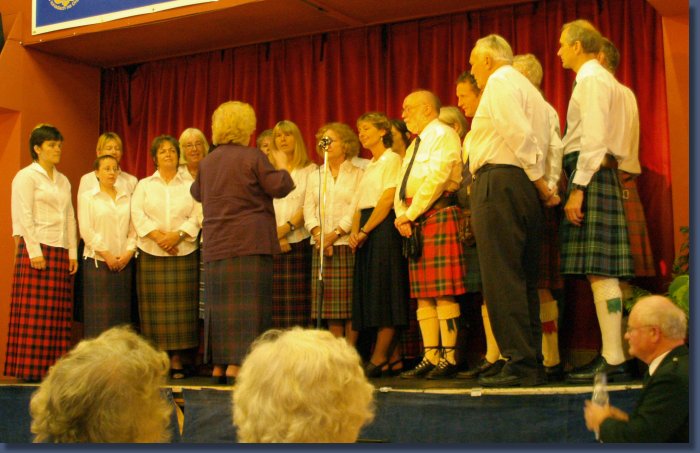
{"points": [[51, 15]]}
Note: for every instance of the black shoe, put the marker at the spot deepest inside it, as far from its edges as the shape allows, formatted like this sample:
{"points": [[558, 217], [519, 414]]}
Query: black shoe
{"points": [[423, 368], [479, 369], [230, 380], [495, 368], [443, 370], [554, 373], [509, 378], [218, 380], [374, 371], [585, 374]]}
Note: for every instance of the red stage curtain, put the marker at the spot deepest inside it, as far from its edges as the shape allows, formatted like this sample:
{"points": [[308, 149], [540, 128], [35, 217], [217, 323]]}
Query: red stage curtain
{"points": [[338, 76]]}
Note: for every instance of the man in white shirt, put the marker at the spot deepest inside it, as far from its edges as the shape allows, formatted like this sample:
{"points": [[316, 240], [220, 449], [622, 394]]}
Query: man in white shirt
{"points": [[594, 239], [430, 175], [510, 132]]}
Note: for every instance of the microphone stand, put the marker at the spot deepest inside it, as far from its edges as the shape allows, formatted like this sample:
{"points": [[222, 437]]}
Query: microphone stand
{"points": [[324, 144]]}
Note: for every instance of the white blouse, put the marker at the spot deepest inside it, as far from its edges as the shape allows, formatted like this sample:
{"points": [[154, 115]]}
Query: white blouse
{"points": [[105, 224], [158, 205], [340, 192], [42, 211], [379, 176], [125, 182], [286, 207]]}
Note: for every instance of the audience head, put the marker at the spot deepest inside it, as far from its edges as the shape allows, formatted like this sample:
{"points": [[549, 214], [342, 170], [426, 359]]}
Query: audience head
{"points": [[420, 108], [400, 135], [264, 141], [609, 56], [529, 66], [194, 146], [160, 147], [43, 133], [106, 389], [468, 93], [232, 122], [343, 134], [372, 126], [109, 143], [489, 53], [454, 118], [288, 139], [301, 386], [655, 325]]}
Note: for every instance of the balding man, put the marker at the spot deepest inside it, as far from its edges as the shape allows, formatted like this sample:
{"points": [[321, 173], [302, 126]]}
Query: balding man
{"points": [[430, 175], [510, 132], [656, 334]]}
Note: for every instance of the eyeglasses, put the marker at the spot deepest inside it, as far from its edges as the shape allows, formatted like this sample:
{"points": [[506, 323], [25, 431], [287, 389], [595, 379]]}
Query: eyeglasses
{"points": [[193, 145], [630, 329]]}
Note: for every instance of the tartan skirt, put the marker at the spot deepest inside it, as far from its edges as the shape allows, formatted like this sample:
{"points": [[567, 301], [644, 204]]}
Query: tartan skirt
{"points": [[41, 311], [600, 246], [291, 287], [441, 268], [238, 307], [640, 246], [337, 283], [550, 277], [380, 280], [106, 296], [168, 292]]}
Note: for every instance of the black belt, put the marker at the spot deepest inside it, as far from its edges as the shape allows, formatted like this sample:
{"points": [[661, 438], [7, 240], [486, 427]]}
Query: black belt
{"points": [[489, 167]]}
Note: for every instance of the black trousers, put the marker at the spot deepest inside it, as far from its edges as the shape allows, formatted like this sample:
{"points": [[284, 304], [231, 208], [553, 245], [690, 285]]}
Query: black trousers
{"points": [[507, 220]]}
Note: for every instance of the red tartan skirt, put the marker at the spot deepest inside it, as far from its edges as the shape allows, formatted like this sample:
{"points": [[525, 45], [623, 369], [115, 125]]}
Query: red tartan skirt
{"points": [[41, 311], [640, 246], [441, 267]]}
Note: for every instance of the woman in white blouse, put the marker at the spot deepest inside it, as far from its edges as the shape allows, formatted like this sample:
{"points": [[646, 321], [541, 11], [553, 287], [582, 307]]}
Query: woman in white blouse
{"points": [[341, 181], [108, 144], [166, 218], [380, 290], [44, 230], [291, 291], [104, 217], [193, 148]]}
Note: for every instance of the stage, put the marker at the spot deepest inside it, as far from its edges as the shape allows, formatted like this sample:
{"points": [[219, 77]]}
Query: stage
{"points": [[450, 411]]}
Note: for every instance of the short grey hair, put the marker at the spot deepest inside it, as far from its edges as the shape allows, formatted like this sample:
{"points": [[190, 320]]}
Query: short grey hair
{"points": [[662, 312], [496, 47], [529, 66]]}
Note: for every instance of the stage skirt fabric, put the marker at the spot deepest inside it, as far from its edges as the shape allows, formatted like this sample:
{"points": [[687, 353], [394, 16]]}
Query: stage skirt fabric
{"points": [[291, 287], [640, 246], [441, 268], [380, 282], [238, 307], [550, 277], [106, 296], [168, 292], [337, 283], [41, 310], [600, 246]]}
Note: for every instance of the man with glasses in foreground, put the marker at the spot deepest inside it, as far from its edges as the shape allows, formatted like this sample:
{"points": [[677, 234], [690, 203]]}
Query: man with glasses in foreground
{"points": [[656, 333]]}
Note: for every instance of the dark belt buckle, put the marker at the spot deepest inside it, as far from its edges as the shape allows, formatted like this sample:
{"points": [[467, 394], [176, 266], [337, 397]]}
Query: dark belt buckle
{"points": [[625, 194]]}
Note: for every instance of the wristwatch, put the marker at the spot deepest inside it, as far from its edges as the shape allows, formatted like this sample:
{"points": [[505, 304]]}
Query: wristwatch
{"points": [[181, 234], [338, 232], [579, 187], [291, 226]]}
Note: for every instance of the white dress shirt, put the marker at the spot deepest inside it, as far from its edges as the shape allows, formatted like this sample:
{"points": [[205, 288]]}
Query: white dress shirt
{"points": [[436, 168], [42, 211], [157, 205], [105, 224], [340, 192], [125, 182], [596, 120], [555, 151], [360, 162], [286, 207], [380, 175], [511, 125], [630, 162]]}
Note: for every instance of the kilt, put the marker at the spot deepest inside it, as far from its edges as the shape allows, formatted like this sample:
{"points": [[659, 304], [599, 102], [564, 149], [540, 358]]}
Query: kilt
{"points": [[550, 277], [41, 311], [441, 268], [600, 246], [238, 307], [106, 296], [291, 287], [380, 280], [640, 246], [168, 292], [337, 283]]}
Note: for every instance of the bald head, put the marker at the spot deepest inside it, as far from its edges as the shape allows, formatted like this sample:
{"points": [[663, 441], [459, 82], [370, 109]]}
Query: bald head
{"points": [[662, 312], [420, 108]]}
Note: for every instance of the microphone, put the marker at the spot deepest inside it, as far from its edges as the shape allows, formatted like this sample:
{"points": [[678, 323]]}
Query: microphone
{"points": [[325, 142]]}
